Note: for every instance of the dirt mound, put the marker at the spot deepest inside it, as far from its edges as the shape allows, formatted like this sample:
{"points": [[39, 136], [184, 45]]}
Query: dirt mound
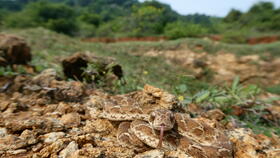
{"points": [[262, 40], [13, 50], [223, 67]]}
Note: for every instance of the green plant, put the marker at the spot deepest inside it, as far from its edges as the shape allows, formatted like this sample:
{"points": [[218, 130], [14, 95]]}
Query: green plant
{"points": [[181, 29], [7, 71]]}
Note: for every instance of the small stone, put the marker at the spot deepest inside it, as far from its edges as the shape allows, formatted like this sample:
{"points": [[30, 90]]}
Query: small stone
{"points": [[99, 125], [29, 137], [52, 149], [15, 152], [3, 132], [52, 137], [215, 114], [71, 119], [4, 105], [71, 148], [151, 154]]}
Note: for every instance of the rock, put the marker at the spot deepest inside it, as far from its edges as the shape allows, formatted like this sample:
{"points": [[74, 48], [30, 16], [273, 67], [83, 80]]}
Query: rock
{"points": [[67, 152], [88, 152], [99, 125], [25, 120], [4, 105], [3, 132], [52, 149], [11, 142], [13, 50], [73, 67], [45, 78], [15, 152], [67, 91], [152, 97], [71, 120], [53, 136], [249, 145], [177, 154], [29, 137], [215, 114], [151, 154]]}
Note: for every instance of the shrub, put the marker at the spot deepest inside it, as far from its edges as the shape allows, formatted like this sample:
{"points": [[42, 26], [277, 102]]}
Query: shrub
{"points": [[180, 29], [239, 36], [65, 26]]}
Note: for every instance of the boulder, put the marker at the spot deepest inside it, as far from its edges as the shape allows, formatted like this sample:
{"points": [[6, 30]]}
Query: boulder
{"points": [[13, 50]]}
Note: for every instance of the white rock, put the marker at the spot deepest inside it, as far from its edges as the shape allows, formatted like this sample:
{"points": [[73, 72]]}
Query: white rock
{"points": [[53, 136], [3, 132], [15, 152], [70, 149], [151, 154]]}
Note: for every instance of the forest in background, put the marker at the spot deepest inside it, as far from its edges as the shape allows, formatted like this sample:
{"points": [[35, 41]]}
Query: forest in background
{"points": [[130, 18]]}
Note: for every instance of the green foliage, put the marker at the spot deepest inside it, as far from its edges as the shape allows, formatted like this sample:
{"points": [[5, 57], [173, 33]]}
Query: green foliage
{"points": [[57, 17], [62, 26], [180, 29], [7, 71], [93, 19], [274, 89], [262, 17], [235, 36], [233, 16], [148, 20]]}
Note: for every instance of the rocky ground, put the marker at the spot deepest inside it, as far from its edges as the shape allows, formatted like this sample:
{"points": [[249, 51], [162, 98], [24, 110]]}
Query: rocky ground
{"points": [[42, 115]]}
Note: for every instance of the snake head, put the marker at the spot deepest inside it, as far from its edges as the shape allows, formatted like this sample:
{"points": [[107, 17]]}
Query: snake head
{"points": [[162, 119]]}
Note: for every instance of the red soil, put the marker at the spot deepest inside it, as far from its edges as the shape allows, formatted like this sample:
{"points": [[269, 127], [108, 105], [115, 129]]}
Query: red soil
{"points": [[123, 39]]}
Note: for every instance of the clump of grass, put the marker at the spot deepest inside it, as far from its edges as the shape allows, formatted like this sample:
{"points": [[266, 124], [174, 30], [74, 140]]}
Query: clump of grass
{"points": [[225, 98], [274, 89]]}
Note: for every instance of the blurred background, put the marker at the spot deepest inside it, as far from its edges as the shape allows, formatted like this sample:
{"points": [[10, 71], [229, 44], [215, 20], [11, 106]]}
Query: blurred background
{"points": [[233, 21]]}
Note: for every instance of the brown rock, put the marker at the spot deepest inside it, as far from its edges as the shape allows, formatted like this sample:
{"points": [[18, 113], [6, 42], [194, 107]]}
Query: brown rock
{"points": [[73, 67], [45, 78], [215, 114], [53, 136], [67, 152], [99, 125], [71, 120], [53, 149], [151, 154], [67, 91], [249, 145], [13, 50]]}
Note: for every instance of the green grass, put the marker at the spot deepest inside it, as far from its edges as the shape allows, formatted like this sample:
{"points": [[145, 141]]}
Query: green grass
{"points": [[49, 48]]}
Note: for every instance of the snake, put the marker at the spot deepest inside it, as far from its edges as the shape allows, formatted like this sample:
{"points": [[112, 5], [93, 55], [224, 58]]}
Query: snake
{"points": [[164, 128]]}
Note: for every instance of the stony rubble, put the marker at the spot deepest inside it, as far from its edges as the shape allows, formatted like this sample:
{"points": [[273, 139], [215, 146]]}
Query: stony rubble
{"points": [[64, 128]]}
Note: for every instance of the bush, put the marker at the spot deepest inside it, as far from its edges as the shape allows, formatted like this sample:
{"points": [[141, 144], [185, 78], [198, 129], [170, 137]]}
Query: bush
{"points": [[234, 36], [93, 19], [57, 17], [19, 20], [180, 29], [65, 26]]}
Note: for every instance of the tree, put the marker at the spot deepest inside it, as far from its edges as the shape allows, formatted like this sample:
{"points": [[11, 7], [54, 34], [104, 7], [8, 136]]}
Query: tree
{"points": [[233, 16], [58, 17]]}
